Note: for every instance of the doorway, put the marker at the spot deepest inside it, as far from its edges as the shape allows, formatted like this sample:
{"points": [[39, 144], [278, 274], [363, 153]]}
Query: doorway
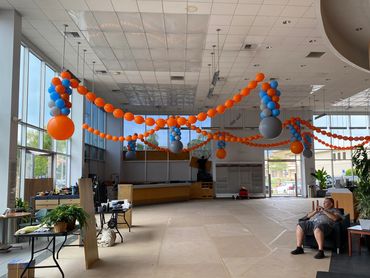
{"points": [[283, 173]]}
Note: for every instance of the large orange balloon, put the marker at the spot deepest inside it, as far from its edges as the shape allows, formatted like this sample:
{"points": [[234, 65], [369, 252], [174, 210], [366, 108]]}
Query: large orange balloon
{"points": [[211, 112], [149, 122], [252, 84], [139, 119], [202, 116], [260, 76], [296, 147], [99, 102], [65, 75], [129, 116], [90, 96], [221, 153], [220, 109], [108, 108], [192, 119], [118, 113], [60, 127], [229, 103]]}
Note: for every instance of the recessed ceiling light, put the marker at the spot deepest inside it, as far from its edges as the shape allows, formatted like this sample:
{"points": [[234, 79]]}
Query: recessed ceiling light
{"points": [[287, 78], [302, 66], [358, 29], [116, 90], [256, 65], [327, 79], [192, 8], [315, 88], [345, 67], [286, 21], [312, 41], [268, 47], [246, 78]]}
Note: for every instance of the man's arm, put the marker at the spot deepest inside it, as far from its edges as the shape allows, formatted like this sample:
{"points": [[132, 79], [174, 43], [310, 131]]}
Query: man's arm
{"points": [[331, 215], [312, 213]]}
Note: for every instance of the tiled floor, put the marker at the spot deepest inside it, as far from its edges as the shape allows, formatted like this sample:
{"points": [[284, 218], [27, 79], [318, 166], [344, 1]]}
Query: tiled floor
{"points": [[210, 238]]}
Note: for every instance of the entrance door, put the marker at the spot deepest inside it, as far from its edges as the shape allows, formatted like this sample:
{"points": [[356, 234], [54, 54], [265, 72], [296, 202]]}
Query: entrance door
{"points": [[284, 173]]}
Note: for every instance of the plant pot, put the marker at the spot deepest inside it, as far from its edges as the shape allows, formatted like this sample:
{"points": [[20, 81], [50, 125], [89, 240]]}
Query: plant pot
{"points": [[321, 193], [71, 225], [60, 227], [365, 224]]}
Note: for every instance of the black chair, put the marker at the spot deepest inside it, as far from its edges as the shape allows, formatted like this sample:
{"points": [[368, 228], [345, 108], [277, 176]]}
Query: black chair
{"points": [[334, 241]]}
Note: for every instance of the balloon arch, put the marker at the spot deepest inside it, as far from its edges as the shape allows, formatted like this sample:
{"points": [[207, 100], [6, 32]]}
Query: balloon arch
{"points": [[61, 127]]}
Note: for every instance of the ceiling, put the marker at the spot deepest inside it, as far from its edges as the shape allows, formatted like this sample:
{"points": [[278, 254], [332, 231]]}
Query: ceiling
{"points": [[141, 44]]}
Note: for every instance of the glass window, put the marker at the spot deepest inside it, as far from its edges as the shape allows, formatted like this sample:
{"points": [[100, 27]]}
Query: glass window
{"points": [[161, 137], [47, 142], [339, 121], [130, 128], [49, 74], [32, 138], [359, 121], [87, 120], [101, 127], [21, 82], [322, 122], [61, 171], [34, 90], [62, 146], [317, 144]]}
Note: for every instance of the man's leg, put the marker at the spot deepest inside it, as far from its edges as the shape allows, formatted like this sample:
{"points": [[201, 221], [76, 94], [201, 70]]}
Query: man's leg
{"points": [[299, 236], [319, 236]]}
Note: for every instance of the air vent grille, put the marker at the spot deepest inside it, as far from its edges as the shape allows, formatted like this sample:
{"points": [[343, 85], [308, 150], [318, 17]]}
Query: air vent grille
{"points": [[177, 78], [101, 72], [315, 54], [248, 46], [72, 35]]}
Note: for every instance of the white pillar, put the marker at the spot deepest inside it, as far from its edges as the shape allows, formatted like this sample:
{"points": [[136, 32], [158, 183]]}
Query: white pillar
{"points": [[10, 34], [113, 150]]}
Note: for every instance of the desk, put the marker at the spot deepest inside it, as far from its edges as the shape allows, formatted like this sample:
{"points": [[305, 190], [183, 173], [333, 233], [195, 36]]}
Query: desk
{"points": [[356, 230], [12, 217], [52, 235]]}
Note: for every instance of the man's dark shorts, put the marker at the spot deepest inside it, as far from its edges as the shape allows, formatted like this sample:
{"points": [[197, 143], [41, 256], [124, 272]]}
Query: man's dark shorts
{"points": [[308, 227]]}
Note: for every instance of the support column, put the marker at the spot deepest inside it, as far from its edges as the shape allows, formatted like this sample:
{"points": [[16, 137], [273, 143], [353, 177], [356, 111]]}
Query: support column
{"points": [[10, 34], [113, 150]]}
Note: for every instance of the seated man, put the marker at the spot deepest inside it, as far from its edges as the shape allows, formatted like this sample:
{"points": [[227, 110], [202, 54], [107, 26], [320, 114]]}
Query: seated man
{"points": [[320, 223]]}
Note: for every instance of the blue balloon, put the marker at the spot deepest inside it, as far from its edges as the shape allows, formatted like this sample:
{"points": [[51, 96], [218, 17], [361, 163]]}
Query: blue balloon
{"points": [[262, 94], [299, 137], [292, 139], [69, 91], [278, 93], [51, 89], [271, 105], [274, 84], [54, 96], [66, 83], [266, 99], [262, 115], [275, 112], [60, 103], [65, 111]]}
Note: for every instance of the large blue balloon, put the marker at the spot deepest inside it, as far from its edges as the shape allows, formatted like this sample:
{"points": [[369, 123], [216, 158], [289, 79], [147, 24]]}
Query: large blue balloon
{"points": [[271, 105], [65, 111], [266, 99], [60, 103], [66, 82], [278, 93], [262, 94], [69, 91], [274, 84], [275, 112], [54, 96]]}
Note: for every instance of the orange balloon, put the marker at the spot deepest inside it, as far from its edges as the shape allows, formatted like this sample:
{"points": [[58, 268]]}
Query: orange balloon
{"points": [[82, 90], [60, 89], [128, 138], [149, 122], [156, 128], [260, 76], [221, 153], [181, 121], [108, 108], [202, 116], [65, 75], [74, 83], [192, 119], [121, 138], [90, 129], [229, 103], [275, 98], [211, 112], [204, 133], [99, 102], [296, 147], [220, 109], [171, 121], [118, 113], [252, 84], [161, 122], [140, 136], [129, 116], [108, 137], [60, 127], [102, 135], [245, 92], [85, 126], [277, 106], [271, 92], [265, 86], [237, 98], [96, 132], [151, 131], [90, 96], [139, 119], [115, 138], [56, 81], [64, 96]]}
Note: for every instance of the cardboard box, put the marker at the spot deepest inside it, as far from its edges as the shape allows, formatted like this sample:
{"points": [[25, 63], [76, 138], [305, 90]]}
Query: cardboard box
{"points": [[16, 267]]}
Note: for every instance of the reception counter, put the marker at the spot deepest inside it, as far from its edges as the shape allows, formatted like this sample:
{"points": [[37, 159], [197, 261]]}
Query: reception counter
{"points": [[52, 201]]}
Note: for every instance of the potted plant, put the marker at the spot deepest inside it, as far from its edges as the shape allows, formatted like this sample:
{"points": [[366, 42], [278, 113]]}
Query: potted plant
{"points": [[321, 176], [361, 164], [21, 205], [63, 218]]}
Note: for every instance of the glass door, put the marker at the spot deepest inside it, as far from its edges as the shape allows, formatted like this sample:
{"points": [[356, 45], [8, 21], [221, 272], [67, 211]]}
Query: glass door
{"points": [[283, 170]]}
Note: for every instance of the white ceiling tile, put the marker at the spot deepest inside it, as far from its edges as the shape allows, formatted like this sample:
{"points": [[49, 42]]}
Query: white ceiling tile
{"points": [[161, 65], [136, 40], [254, 39], [107, 21], [220, 20], [174, 7], [123, 54], [141, 54], [131, 22], [176, 41], [247, 9], [275, 2], [270, 10], [95, 38], [258, 30], [223, 8], [265, 20], [294, 11], [84, 20], [125, 5], [112, 64], [49, 4], [193, 55], [158, 53], [104, 53], [150, 6], [175, 23], [239, 30], [202, 7], [310, 13], [153, 23], [157, 40], [176, 55], [60, 15], [128, 64], [242, 20], [98, 5], [195, 41], [197, 24], [144, 65]]}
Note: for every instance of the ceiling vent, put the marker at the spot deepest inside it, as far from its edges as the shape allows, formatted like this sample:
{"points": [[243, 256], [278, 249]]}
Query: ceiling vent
{"points": [[73, 35], [116, 90], [177, 78], [315, 54], [101, 72], [248, 46]]}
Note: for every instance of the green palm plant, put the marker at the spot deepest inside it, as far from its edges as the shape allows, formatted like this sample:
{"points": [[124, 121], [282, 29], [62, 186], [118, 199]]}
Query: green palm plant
{"points": [[321, 176], [361, 164]]}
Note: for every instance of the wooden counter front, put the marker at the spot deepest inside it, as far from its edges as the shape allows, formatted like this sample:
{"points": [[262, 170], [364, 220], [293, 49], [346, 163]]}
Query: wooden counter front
{"points": [[154, 194], [346, 201]]}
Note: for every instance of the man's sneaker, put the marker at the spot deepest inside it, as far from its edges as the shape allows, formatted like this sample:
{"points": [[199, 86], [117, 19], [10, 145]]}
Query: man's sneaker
{"points": [[320, 255], [297, 251]]}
